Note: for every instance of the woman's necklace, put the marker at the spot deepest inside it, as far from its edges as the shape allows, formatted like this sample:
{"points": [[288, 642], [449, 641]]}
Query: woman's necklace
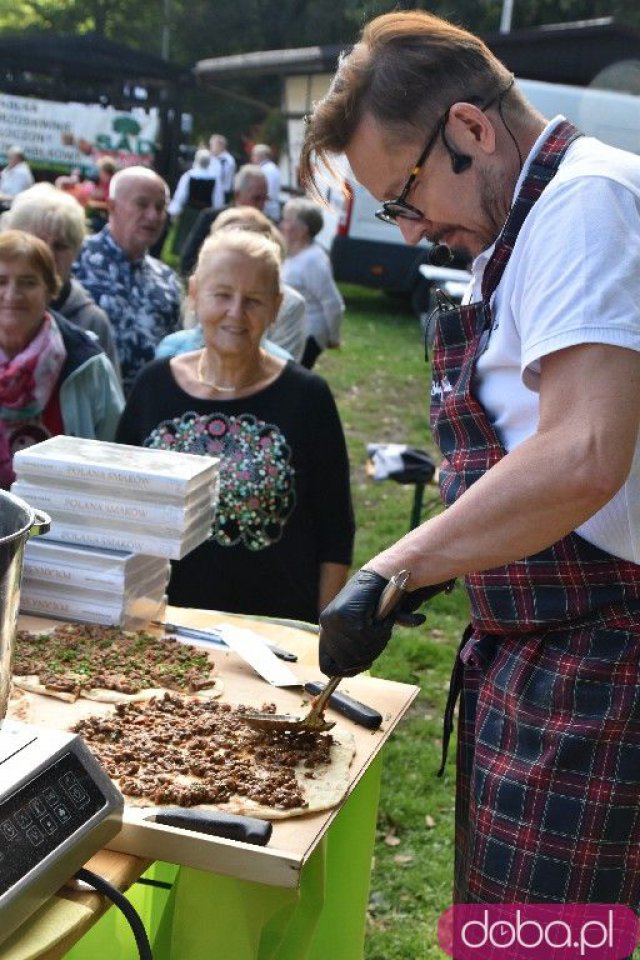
{"points": [[218, 386]]}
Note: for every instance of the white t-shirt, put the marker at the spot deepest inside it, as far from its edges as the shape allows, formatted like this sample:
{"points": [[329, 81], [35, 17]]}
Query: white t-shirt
{"points": [[309, 272], [573, 278], [272, 173], [215, 171], [289, 329], [227, 173], [13, 180]]}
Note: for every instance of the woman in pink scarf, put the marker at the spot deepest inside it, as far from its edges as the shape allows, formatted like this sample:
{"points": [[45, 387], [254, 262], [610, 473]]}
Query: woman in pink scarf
{"points": [[54, 377]]}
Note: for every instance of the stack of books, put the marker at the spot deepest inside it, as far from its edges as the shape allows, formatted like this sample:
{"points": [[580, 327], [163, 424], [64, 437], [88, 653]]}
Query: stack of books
{"points": [[135, 507], [93, 585]]}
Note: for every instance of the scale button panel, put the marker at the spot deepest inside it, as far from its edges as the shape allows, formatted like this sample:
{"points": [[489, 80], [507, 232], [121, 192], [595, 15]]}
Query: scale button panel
{"points": [[44, 813], [23, 818], [74, 790], [9, 830], [37, 807], [34, 836]]}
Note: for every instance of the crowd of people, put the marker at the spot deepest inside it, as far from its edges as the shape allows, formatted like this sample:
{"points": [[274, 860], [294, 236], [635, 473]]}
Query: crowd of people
{"points": [[101, 338]]}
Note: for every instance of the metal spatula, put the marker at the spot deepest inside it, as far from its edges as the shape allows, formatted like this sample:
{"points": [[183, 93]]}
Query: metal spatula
{"points": [[314, 721]]}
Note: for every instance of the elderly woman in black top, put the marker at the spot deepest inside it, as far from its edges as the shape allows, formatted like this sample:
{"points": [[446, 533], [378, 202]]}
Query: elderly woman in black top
{"points": [[283, 532]]}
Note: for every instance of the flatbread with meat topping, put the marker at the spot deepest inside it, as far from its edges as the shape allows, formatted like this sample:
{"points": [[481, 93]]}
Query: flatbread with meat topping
{"points": [[109, 665], [176, 751]]}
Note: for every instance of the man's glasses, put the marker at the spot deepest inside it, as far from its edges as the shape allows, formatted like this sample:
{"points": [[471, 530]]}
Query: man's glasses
{"points": [[393, 210]]}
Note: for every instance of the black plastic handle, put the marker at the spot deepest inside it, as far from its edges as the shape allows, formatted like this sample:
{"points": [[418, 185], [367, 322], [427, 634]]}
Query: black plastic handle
{"points": [[360, 713], [283, 654], [216, 824]]}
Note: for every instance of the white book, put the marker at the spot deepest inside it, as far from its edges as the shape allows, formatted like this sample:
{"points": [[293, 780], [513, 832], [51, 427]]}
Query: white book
{"points": [[116, 466], [112, 564], [173, 548], [155, 588], [74, 580], [129, 513], [132, 617]]}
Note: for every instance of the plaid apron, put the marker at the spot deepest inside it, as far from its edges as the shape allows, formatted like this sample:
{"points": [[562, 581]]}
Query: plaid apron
{"points": [[548, 757]]}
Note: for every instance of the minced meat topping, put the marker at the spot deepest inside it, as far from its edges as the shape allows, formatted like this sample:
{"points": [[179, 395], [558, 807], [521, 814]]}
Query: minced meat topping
{"points": [[177, 751], [77, 657]]}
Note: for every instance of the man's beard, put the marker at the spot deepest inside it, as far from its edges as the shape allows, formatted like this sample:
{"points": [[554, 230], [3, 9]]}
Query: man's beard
{"points": [[485, 224], [494, 206]]}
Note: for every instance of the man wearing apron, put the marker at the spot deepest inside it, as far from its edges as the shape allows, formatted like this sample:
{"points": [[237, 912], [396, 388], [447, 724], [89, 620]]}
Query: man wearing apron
{"points": [[535, 407]]}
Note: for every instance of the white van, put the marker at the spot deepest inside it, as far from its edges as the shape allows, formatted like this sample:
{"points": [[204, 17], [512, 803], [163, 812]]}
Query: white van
{"points": [[367, 251]]}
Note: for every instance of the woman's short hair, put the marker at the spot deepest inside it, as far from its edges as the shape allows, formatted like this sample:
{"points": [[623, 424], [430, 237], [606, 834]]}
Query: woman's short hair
{"points": [[45, 209], [252, 245], [249, 218], [405, 71], [307, 212], [20, 245]]}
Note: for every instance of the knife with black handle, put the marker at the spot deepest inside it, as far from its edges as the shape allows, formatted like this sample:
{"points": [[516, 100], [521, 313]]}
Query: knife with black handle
{"points": [[359, 712], [215, 824]]}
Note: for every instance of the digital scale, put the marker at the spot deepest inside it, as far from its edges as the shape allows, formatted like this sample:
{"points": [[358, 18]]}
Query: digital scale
{"points": [[57, 809]]}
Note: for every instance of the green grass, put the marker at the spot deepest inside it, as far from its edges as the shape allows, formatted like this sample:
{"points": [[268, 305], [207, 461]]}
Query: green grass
{"points": [[381, 385]]}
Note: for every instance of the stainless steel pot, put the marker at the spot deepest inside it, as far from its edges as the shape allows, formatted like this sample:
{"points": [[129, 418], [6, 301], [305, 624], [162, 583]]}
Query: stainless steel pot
{"points": [[18, 522]]}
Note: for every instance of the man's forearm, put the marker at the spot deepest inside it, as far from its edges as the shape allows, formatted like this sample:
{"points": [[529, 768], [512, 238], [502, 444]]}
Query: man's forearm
{"points": [[519, 507], [547, 486]]}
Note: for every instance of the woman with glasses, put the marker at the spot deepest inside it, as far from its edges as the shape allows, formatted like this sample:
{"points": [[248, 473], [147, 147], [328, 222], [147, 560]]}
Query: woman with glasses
{"points": [[534, 404]]}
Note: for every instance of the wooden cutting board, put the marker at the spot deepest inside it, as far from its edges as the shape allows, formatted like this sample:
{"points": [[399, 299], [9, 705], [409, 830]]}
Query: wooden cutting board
{"points": [[294, 840]]}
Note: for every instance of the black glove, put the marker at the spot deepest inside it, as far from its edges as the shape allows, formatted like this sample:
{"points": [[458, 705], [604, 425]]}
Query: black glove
{"points": [[351, 637], [404, 613]]}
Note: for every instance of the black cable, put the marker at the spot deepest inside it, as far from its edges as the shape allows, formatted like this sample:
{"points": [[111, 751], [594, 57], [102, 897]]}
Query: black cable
{"points": [[137, 928], [505, 124]]}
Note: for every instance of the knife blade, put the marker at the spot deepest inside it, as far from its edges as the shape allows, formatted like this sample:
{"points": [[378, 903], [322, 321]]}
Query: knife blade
{"points": [[215, 824], [252, 648], [216, 637]]}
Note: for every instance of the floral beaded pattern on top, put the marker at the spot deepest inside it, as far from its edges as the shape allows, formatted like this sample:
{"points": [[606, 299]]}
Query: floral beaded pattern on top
{"points": [[257, 490]]}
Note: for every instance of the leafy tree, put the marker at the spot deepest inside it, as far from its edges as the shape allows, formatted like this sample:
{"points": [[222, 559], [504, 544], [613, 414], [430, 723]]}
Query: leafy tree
{"points": [[198, 29], [202, 28], [116, 19]]}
